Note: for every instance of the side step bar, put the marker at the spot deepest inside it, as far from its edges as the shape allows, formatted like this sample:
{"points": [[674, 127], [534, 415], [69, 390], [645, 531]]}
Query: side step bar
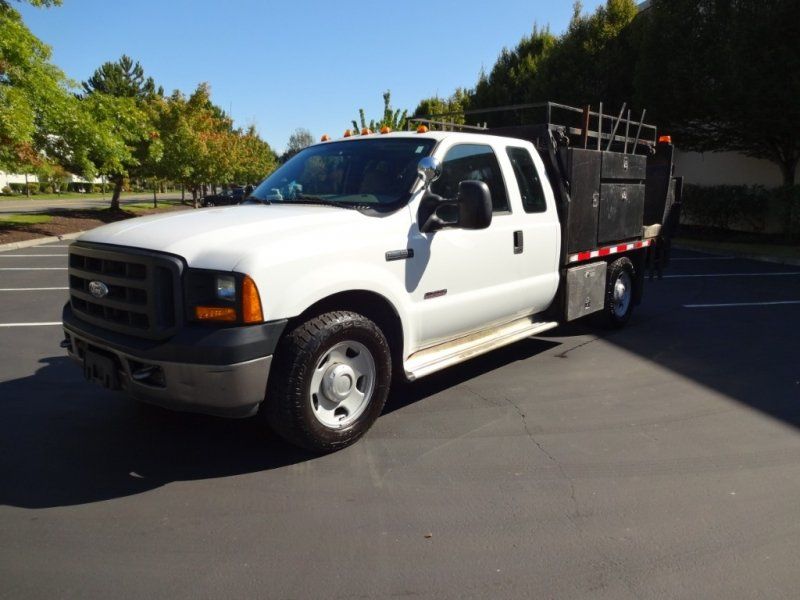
{"points": [[440, 357]]}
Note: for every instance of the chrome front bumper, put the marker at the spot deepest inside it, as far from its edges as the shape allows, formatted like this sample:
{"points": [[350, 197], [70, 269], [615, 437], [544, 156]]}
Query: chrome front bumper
{"points": [[234, 390]]}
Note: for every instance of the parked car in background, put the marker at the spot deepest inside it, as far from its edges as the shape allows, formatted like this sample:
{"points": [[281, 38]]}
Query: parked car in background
{"points": [[234, 195]]}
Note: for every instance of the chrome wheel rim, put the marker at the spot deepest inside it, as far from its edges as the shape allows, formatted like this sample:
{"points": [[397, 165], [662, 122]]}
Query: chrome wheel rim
{"points": [[623, 290], [342, 384]]}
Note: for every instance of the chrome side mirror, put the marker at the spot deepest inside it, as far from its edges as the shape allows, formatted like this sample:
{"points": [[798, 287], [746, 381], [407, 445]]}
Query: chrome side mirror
{"points": [[429, 169]]}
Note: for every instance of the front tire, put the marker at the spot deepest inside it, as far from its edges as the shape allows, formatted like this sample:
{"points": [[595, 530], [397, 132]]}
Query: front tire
{"points": [[329, 381]]}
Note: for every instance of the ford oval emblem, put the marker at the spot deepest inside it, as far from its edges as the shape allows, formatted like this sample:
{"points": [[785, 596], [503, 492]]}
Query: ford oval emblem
{"points": [[98, 289]]}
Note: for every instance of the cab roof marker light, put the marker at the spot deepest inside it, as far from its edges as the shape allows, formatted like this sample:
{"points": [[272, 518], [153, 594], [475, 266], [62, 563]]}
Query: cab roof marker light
{"points": [[325, 138], [386, 129], [422, 129], [366, 131], [665, 139], [347, 133]]}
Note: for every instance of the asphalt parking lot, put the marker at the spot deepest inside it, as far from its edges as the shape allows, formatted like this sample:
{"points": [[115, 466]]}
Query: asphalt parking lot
{"points": [[662, 460]]}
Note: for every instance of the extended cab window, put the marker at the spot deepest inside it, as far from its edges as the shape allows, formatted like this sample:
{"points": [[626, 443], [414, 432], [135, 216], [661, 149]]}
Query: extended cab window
{"points": [[472, 162], [530, 186]]}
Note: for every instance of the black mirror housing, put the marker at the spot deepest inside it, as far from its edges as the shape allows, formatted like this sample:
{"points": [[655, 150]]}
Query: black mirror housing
{"points": [[474, 205], [472, 209]]}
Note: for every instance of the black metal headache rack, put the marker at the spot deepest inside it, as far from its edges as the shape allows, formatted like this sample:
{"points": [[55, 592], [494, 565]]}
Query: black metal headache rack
{"points": [[611, 174]]}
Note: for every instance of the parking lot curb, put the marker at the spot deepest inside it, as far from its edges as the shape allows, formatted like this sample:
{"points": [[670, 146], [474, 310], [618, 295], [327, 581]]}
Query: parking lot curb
{"points": [[780, 260], [39, 241]]}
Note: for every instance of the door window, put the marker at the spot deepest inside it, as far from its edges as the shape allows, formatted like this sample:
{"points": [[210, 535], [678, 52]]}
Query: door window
{"points": [[530, 186], [472, 162]]}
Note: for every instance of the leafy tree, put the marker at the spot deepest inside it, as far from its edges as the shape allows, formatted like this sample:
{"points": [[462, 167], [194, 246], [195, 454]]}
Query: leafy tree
{"points": [[255, 158], [725, 76], [396, 120], [200, 145], [301, 138], [34, 96], [132, 145], [595, 59], [37, 3], [448, 109], [515, 77]]}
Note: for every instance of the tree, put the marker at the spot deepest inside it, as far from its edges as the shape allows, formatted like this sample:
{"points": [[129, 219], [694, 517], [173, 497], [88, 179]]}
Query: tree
{"points": [[37, 3], [448, 109], [595, 59], [123, 79], [725, 76], [133, 145], [515, 77], [301, 138], [395, 120], [35, 98], [200, 145]]}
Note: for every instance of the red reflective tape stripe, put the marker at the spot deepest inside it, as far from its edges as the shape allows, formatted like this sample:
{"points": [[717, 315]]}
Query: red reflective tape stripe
{"points": [[581, 256]]}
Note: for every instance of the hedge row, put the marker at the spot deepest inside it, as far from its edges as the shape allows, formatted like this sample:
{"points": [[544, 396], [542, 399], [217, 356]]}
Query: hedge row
{"points": [[742, 207]]}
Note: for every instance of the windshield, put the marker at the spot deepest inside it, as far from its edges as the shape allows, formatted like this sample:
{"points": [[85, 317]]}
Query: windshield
{"points": [[373, 172]]}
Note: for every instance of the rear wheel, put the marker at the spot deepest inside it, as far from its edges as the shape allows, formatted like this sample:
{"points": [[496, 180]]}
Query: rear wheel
{"points": [[329, 381], [619, 294]]}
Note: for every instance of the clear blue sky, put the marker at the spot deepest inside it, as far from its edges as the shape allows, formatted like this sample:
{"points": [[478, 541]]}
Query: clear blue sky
{"points": [[297, 63]]}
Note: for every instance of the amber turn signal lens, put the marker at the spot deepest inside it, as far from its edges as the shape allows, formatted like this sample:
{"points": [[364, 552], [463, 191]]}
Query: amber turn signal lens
{"points": [[422, 129], [251, 302], [214, 313], [665, 139]]}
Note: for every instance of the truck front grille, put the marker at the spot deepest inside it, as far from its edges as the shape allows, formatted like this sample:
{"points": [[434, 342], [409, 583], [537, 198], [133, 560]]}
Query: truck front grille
{"points": [[125, 290]]}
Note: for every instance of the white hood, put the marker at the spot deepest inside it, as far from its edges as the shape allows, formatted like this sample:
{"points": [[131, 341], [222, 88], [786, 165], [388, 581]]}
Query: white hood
{"points": [[218, 238]]}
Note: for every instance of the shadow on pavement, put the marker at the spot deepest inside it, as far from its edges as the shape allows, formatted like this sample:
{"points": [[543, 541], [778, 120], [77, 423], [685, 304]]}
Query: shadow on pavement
{"points": [[65, 442]]}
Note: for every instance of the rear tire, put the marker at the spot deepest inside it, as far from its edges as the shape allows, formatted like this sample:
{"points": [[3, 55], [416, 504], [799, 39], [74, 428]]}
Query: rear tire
{"points": [[619, 294], [329, 381]]}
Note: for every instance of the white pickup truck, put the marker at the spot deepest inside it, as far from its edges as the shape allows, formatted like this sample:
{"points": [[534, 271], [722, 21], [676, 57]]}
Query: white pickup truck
{"points": [[358, 261]]}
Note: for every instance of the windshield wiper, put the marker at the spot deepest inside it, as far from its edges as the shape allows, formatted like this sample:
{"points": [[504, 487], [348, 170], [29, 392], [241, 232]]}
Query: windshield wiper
{"points": [[255, 200], [307, 199]]}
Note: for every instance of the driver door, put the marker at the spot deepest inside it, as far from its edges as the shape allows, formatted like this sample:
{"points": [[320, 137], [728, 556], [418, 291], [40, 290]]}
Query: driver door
{"points": [[465, 280]]}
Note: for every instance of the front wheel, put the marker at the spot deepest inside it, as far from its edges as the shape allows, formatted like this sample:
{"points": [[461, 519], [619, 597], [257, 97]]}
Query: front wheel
{"points": [[619, 294], [329, 381]]}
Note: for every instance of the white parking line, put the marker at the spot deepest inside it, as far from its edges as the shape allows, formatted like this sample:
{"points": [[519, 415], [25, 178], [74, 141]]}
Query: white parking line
{"points": [[33, 268], [732, 304], [705, 258], [733, 275], [30, 324], [44, 289], [30, 255]]}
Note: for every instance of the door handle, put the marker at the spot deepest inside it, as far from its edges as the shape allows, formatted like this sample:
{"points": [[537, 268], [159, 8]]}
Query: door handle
{"points": [[518, 242]]}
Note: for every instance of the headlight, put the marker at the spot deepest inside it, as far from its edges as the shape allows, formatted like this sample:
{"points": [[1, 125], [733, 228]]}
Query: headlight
{"points": [[226, 287], [221, 297]]}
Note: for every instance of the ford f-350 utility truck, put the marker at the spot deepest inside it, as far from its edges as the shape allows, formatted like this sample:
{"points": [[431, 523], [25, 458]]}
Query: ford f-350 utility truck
{"points": [[367, 259]]}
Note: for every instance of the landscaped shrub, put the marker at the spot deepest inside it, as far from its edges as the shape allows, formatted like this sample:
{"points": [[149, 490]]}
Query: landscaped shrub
{"points": [[789, 202], [726, 206], [17, 188], [6, 191], [743, 208]]}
